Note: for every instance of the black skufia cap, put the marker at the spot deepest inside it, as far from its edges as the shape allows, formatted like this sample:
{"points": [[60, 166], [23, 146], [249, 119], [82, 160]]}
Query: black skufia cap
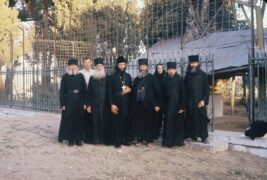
{"points": [[121, 59], [171, 65], [72, 61], [99, 61], [193, 58], [143, 61]]}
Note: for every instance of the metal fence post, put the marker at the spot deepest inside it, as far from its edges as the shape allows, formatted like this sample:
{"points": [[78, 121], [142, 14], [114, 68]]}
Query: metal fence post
{"points": [[251, 89]]}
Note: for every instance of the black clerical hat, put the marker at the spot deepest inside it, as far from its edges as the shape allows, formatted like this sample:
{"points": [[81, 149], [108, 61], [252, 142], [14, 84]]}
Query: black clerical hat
{"points": [[193, 58], [121, 59], [143, 61], [72, 61], [171, 65], [99, 61]]}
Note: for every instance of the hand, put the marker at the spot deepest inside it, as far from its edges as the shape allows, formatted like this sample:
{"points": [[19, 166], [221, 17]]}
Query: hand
{"points": [[84, 107], [126, 90], [180, 111], [63, 108], [201, 104], [89, 109], [157, 108], [114, 109]]}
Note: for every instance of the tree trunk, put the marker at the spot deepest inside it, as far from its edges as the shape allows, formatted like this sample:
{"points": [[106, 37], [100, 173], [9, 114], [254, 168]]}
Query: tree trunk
{"points": [[196, 20]]}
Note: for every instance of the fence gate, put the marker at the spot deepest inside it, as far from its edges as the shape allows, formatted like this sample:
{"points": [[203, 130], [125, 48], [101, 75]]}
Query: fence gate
{"points": [[258, 87]]}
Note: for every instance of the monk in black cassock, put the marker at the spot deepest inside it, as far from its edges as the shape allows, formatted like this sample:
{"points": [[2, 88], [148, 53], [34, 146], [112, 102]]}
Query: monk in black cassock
{"points": [[145, 104], [173, 132], [97, 103], [196, 85], [160, 76], [72, 102], [120, 85]]}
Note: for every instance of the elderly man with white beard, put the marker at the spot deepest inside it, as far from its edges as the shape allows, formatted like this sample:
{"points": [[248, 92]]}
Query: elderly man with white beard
{"points": [[72, 102], [97, 103]]}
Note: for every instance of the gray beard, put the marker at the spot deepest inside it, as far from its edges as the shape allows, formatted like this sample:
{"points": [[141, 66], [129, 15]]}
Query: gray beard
{"points": [[142, 74], [99, 75], [193, 70]]}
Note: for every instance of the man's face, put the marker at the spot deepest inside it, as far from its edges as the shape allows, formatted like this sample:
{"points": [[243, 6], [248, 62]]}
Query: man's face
{"points": [[143, 68], [194, 65], [160, 69], [122, 66], [87, 64], [171, 72], [73, 67], [99, 67]]}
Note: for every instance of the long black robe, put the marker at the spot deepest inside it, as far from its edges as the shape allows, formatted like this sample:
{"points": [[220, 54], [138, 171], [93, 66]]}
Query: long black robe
{"points": [[159, 115], [196, 85], [173, 132], [120, 121], [72, 96], [142, 112], [97, 99]]}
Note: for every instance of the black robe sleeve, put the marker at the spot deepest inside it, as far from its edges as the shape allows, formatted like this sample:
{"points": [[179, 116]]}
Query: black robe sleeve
{"points": [[89, 92], [129, 81], [110, 90], [133, 97], [62, 91], [182, 97], [156, 92], [84, 90]]}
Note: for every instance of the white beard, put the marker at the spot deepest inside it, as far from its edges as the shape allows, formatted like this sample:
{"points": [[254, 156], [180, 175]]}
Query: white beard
{"points": [[99, 74], [72, 72]]}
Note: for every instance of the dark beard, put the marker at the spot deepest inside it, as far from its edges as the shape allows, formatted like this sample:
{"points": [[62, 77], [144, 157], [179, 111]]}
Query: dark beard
{"points": [[121, 71]]}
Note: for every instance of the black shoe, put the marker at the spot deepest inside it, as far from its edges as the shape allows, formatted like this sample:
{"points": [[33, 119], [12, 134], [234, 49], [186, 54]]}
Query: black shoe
{"points": [[71, 143], [194, 139], [117, 146], [205, 141], [79, 143], [181, 144], [125, 143]]}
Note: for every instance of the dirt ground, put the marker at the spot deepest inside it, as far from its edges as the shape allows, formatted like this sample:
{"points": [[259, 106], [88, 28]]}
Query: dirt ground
{"points": [[29, 150]]}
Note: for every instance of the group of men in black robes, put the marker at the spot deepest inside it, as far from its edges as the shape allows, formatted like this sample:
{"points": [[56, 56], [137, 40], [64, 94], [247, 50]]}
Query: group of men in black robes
{"points": [[113, 110]]}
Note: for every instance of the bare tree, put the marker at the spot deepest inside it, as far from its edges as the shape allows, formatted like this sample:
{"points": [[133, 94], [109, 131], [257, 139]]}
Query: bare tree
{"points": [[196, 20]]}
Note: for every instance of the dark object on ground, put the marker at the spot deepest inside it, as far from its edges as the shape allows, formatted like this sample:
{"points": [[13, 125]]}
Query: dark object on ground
{"points": [[257, 129]]}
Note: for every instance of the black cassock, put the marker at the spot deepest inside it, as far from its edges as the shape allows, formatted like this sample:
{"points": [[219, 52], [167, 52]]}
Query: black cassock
{"points": [[120, 121], [159, 115], [97, 99], [196, 86], [173, 131], [145, 98], [72, 96]]}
